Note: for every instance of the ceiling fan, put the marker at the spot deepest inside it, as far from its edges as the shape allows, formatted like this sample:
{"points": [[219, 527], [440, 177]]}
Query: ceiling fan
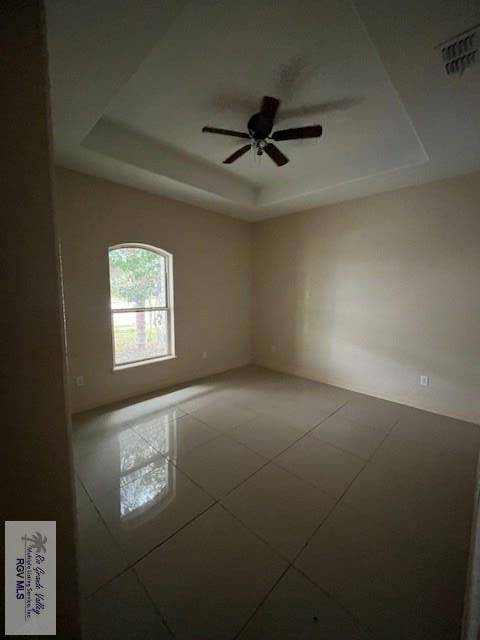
{"points": [[260, 134]]}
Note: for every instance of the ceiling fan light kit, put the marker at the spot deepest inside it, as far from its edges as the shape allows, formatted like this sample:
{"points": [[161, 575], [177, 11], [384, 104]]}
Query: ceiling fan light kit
{"points": [[260, 136]]}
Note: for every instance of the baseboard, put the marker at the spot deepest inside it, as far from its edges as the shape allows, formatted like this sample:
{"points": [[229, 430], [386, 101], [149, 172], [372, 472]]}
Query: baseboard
{"points": [[310, 374]]}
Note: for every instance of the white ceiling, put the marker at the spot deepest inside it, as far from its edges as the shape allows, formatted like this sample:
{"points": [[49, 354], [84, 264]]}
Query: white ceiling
{"points": [[133, 82]]}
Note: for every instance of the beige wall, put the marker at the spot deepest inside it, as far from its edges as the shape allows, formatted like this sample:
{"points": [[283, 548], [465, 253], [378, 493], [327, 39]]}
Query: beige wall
{"points": [[212, 283], [367, 294], [372, 293], [38, 484]]}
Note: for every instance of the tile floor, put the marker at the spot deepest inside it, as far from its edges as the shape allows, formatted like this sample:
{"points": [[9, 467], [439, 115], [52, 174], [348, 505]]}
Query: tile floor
{"points": [[256, 505]]}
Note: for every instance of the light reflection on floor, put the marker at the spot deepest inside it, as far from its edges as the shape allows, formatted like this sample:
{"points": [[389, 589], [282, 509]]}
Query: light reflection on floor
{"points": [[147, 478], [156, 547]]}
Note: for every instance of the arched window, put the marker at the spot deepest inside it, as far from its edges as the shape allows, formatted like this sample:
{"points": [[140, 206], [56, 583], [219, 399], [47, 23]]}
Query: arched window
{"points": [[141, 301]]}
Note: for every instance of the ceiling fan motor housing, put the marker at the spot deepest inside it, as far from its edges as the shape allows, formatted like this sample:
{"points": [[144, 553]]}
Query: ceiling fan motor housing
{"points": [[260, 126]]}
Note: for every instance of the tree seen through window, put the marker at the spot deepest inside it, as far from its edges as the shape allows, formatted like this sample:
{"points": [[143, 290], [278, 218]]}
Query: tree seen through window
{"points": [[140, 279]]}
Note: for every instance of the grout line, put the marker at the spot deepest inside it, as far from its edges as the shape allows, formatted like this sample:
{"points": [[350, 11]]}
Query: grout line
{"points": [[215, 501], [339, 499], [363, 626], [271, 460], [153, 603], [346, 451], [290, 563], [117, 546], [131, 565], [109, 581], [254, 533], [192, 480], [79, 479], [237, 486], [260, 604], [387, 435], [157, 546]]}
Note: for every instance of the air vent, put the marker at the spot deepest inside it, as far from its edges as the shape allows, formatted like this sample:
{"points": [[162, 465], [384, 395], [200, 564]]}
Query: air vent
{"points": [[461, 51]]}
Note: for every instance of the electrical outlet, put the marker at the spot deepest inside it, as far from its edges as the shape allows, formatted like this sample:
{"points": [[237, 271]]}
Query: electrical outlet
{"points": [[80, 380], [274, 348], [204, 355], [424, 381]]}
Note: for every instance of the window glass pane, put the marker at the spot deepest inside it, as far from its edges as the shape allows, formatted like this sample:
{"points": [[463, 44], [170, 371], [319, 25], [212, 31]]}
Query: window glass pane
{"points": [[137, 278], [139, 335]]}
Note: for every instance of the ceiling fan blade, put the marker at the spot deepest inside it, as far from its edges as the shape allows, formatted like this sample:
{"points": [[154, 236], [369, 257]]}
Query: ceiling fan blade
{"points": [[275, 154], [238, 154], [226, 132], [269, 106], [298, 133]]}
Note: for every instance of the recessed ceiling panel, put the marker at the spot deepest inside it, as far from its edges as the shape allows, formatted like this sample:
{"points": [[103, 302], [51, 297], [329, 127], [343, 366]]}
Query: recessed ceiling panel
{"points": [[134, 82], [218, 59]]}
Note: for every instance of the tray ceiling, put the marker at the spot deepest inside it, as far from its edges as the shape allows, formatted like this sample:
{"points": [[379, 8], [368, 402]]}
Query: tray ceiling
{"points": [[368, 72]]}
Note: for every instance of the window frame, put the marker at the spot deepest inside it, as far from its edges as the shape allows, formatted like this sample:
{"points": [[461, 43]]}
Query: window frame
{"points": [[169, 306]]}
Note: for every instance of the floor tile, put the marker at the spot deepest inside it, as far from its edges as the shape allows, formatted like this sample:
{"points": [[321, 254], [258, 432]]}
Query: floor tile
{"points": [[127, 457], [432, 429], [97, 423], [92, 427], [278, 451], [266, 435], [100, 558], [209, 578], [162, 404], [353, 437], [93, 438], [220, 465], [192, 394], [440, 517], [176, 437], [382, 580], [297, 401], [324, 466], [372, 412], [214, 393], [146, 511], [297, 608], [426, 462], [122, 609], [281, 508], [301, 418], [223, 415]]}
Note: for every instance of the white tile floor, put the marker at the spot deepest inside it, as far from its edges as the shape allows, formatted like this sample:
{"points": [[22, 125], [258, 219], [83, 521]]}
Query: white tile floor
{"points": [[255, 505]]}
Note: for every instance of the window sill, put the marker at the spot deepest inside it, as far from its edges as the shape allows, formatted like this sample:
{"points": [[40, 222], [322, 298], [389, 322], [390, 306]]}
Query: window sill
{"points": [[142, 363]]}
